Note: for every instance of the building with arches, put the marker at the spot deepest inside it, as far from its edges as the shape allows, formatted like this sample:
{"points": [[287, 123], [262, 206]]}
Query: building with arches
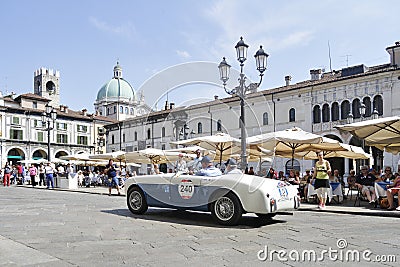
{"points": [[316, 105], [23, 136]]}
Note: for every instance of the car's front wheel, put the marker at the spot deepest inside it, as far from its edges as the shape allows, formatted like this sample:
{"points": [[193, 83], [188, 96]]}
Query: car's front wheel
{"points": [[227, 210], [136, 201]]}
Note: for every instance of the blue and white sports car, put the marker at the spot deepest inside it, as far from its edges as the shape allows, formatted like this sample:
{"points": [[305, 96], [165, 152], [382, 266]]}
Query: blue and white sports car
{"points": [[227, 196]]}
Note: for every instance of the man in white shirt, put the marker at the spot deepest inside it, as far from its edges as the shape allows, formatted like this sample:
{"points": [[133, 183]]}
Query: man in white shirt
{"points": [[208, 168], [231, 167]]}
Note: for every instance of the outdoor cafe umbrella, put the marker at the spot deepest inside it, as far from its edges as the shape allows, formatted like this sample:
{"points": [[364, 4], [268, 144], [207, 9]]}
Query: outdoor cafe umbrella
{"points": [[383, 133], [116, 156], [349, 151], [287, 142], [223, 144], [154, 156]]}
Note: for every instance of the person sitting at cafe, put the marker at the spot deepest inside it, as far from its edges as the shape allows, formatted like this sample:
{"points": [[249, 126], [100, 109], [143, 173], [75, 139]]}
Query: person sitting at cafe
{"points": [[307, 177], [365, 182], [391, 192], [387, 176], [272, 174], [293, 178]]}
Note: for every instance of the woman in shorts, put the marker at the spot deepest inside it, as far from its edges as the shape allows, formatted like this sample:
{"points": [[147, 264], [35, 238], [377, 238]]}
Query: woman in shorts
{"points": [[321, 176]]}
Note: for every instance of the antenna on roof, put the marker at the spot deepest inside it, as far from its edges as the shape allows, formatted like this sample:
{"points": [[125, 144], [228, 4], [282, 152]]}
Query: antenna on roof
{"points": [[347, 59], [330, 59]]}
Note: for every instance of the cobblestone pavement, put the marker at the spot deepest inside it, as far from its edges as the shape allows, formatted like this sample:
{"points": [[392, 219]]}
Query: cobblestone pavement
{"points": [[59, 228]]}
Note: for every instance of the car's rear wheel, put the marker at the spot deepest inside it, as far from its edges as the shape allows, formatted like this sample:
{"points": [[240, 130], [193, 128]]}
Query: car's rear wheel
{"points": [[266, 217], [136, 200], [227, 210]]}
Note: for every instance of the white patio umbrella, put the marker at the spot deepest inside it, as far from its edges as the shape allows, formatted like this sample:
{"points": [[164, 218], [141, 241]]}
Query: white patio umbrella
{"points": [[83, 157], [288, 142], [352, 152], [223, 144], [188, 149], [154, 156], [383, 133], [116, 156]]}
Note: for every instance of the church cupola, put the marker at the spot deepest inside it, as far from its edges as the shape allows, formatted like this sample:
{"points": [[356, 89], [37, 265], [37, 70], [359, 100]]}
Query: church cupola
{"points": [[118, 71]]}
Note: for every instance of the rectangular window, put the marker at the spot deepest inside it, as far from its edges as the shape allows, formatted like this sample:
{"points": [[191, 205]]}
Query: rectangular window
{"points": [[40, 136], [82, 140], [16, 120], [61, 126], [62, 138], [16, 134], [34, 104], [82, 128]]}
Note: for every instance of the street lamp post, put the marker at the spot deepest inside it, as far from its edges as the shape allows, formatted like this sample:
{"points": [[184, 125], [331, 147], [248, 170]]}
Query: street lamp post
{"points": [[183, 132], [240, 91], [48, 119]]}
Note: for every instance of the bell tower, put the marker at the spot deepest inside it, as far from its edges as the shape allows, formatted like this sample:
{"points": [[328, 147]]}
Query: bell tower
{"points": [[46, 83]]}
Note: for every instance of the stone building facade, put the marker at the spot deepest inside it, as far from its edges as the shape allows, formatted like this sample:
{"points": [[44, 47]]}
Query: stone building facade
{"points": [[23, 136], [315, 105]]}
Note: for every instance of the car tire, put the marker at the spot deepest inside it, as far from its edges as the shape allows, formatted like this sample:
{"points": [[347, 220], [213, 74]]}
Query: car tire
{"points": [[227, 210], [136, 200], [266, 217]]}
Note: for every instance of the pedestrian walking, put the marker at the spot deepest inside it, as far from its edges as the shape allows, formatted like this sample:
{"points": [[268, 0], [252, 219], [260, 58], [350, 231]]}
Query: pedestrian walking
{"points": [[49, 175], [321, 177], [7, 174], [112, 177], [32, 174]]}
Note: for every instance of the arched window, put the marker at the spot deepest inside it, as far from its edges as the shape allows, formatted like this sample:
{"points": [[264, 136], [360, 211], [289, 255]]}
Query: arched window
{"points": [[131, 111], [219, 126], [292, 115], [163, 132], [121, 109], [265, 118], [335, 111], [148, 134], [355, 108], [115, 109], [345, 110], [378, 104], [199, 128], [292, 165], [126, 110], [135, 136], [367, 103], [325, 113], [316, 114]]}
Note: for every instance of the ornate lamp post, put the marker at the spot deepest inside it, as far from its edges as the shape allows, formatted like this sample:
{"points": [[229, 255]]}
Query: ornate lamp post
{"points": [[242, 88], [48, 119]]}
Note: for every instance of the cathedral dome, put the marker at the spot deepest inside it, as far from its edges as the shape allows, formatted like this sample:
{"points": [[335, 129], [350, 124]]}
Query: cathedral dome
{"points": [[117, 88]]}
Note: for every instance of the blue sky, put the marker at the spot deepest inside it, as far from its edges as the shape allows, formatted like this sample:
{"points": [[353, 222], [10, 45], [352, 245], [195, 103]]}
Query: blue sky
{"points": [[84, 39]]}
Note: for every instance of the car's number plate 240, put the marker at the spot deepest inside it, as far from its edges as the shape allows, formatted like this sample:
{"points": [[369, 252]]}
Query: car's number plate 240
{"points": [[186, 189]]}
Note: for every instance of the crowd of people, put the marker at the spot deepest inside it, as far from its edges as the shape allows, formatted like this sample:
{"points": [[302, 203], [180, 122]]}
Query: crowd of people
{"points": [[320, 176]]}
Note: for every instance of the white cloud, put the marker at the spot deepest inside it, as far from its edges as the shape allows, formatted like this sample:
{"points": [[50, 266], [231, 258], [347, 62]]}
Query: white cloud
{"points": [[126, 30], [183, 54]]}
